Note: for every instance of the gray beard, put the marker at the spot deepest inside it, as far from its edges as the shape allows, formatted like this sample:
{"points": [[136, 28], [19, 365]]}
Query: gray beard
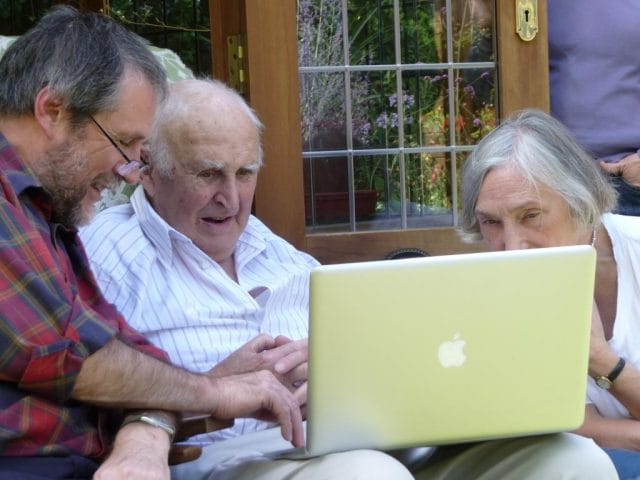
{"points": [[59, 174]]}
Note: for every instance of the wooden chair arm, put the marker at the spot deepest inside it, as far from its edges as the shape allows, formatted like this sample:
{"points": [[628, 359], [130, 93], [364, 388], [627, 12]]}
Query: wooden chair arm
{"points": [[184, 453], [189, 426]]}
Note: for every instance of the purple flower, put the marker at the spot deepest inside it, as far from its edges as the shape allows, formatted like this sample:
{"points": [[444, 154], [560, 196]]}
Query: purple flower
{"points": [[469, 90], [477, 122], [392, 100], [381, 121], [361, 129], [365, 129], [394, 120], [409, 100], [485, 75]]}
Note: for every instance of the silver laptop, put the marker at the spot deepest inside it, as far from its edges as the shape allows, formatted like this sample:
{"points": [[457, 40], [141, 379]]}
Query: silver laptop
{"points": [[439, 350]]}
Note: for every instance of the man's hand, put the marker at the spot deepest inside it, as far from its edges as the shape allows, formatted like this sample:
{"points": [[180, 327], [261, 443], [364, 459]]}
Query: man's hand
{"points": [[259, 395], [628, 168], [301, 396], [285, 358], [140, 453], [120, 376]]}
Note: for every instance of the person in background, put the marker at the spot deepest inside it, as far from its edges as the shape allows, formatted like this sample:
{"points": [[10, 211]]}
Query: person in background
{"points": [[529, 185], [192, 269], [595, 92], [83, 394]]}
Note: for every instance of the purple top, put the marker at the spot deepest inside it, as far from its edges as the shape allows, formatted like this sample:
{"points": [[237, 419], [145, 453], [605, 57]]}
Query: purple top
{"points": [[594, 73]]}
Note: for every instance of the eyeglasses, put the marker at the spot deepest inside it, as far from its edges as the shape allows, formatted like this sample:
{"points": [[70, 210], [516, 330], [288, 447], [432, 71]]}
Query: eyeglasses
{"points": [[130, 164]]}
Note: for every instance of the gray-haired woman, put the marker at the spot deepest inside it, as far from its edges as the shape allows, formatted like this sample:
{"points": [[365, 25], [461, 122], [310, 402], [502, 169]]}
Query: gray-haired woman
{"points": [[529, 185]]}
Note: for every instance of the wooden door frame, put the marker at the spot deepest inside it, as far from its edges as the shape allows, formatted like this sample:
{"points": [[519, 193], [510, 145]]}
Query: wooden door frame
{"points": [[269, 28], [526, 82]]}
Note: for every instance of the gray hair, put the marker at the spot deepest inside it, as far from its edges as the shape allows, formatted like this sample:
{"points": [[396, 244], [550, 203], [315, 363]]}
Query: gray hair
{"points": [[82, 57], [186, 99], [544, 151]]}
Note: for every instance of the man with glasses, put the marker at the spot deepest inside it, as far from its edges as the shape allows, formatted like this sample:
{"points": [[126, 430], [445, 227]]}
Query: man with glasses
{"points": [[78, 384], [209, 283]]}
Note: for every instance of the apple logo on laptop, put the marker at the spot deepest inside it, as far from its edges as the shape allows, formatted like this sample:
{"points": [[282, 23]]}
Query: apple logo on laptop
{"points": [[451, 352]]}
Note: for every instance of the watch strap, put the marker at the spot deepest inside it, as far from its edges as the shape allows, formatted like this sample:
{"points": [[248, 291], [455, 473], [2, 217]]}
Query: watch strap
{"points": [[606, 381], [151, 419], [613, 374]]}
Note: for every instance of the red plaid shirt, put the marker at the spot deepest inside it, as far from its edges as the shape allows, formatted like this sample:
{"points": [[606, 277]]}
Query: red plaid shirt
{"points": [[53, 316]]}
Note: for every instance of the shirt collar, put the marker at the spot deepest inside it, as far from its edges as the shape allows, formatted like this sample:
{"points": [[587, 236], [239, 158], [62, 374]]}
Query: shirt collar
{"points": [[21, 178], [19, 175], [154, 227]]}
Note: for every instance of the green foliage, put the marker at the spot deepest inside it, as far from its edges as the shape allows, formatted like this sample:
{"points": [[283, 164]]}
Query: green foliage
{"points": [[16, 17], [179, 25]]}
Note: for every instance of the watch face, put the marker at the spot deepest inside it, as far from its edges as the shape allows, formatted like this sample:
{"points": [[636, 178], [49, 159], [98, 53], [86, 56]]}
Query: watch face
{"points": [[603, 382]]}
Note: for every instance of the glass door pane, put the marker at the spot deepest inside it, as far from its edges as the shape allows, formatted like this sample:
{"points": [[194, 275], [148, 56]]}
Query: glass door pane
{"points": [[394, 94]]}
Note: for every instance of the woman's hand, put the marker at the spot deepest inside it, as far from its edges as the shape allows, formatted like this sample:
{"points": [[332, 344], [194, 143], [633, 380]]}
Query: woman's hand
{"points": [[601, 357]]}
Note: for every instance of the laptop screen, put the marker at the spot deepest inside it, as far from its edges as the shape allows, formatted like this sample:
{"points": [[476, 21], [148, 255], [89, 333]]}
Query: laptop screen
{"points": [[436, 350]]}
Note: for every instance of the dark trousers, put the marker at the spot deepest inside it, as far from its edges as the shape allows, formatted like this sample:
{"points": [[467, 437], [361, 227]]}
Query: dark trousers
{"points": [[41, 468], [628, 197]]}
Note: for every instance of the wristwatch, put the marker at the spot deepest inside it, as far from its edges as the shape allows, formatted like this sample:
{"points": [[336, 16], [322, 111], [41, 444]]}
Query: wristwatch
{"points": [[151, 419], [606, 381]]}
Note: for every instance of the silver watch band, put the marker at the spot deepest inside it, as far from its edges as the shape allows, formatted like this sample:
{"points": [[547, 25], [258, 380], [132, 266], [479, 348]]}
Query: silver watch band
{"points": [[153, 420]]}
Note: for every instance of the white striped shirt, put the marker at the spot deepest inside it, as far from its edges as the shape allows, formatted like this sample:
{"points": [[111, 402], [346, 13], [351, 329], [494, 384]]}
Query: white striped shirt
{"points": [[183, 301]]}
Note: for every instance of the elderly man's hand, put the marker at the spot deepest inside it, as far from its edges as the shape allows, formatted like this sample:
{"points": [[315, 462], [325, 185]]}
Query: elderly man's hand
{"points": [[259, 395], [139, 453], [285, 358], [628, 168]]}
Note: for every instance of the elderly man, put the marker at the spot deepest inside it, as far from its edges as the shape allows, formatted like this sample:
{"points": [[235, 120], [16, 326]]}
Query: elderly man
{"points": [[191, 267], [193, 270], [77, 97]]}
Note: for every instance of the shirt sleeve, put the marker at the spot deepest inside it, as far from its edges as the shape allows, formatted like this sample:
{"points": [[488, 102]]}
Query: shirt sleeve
{"points": [[51, 321]]}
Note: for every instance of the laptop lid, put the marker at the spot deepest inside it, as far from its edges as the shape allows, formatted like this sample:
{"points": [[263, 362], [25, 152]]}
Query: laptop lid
{"points": [[448, 349]]}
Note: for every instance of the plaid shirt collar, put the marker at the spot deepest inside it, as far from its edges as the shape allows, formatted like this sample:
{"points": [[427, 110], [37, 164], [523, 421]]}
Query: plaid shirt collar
{"points": [[19, 175]]}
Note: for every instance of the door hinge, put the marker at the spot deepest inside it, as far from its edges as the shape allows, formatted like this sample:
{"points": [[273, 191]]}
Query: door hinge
{"points": [[235, 62]]}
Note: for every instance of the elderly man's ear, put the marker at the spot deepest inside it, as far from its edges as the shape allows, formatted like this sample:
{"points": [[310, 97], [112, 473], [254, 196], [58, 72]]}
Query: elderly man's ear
{"points": [[146, 177], [146, 180]]}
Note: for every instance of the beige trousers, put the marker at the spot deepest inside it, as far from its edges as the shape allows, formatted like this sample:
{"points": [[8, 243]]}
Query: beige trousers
{"points": [[550, 457]]}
